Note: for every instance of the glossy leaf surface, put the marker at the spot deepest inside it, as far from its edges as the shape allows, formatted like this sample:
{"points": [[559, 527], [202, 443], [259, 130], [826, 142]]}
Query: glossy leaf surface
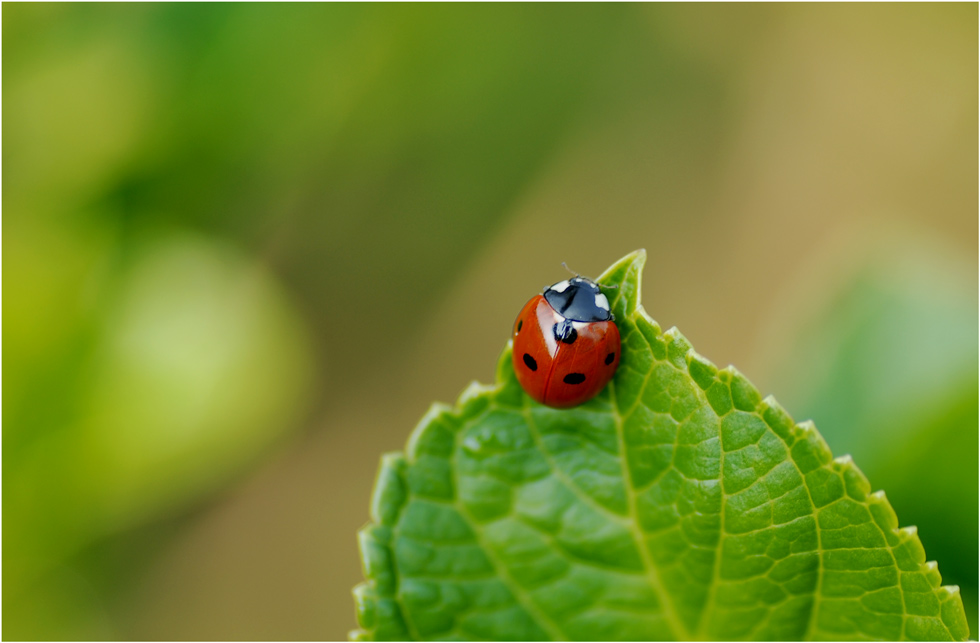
{"points": [[678, 504]]}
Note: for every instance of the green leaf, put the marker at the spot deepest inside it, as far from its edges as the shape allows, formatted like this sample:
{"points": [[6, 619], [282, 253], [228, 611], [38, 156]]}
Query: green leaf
{"points": [[897, 411], [678, 504]]}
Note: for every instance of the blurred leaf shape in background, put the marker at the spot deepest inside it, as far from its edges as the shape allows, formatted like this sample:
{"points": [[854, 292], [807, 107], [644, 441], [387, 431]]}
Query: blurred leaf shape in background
{"points": [[185, 190], [191, 365], [677, 505], [888, 330]]}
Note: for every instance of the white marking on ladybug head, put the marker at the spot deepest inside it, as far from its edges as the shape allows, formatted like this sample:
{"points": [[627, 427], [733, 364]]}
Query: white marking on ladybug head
{"points": [[601, 301], [561, 286]]}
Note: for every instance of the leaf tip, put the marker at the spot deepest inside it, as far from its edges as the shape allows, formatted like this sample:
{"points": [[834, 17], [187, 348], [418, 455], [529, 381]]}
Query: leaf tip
{"points": [[625, 277], [633, 261], [636, 258]]}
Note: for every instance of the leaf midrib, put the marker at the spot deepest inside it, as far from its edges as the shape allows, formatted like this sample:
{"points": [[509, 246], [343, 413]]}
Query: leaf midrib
{"points": [[653, 575], [672, 618]]}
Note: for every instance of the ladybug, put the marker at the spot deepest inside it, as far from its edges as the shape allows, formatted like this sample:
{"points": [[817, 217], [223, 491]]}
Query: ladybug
{"points": [[566, 344]]}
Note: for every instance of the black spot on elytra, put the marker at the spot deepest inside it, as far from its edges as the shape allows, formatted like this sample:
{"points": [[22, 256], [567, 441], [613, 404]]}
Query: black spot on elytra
{"points": [[564, 332], [531, 364], [520, 324], [574, 378], [609, 358]]}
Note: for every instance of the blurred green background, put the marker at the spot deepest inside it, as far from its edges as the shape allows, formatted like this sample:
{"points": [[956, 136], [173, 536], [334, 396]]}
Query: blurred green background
{"points": [[244, 246]]}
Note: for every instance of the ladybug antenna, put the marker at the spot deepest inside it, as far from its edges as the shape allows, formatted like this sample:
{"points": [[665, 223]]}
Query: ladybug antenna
{"points": [[610, 286], [565, 266]]}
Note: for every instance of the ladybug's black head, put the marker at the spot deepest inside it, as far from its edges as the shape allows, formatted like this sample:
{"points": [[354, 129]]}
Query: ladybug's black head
{"points": [[579, 299]]}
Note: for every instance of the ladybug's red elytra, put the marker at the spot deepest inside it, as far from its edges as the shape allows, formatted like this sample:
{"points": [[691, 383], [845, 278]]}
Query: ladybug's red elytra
{"points": [[566, 344]]}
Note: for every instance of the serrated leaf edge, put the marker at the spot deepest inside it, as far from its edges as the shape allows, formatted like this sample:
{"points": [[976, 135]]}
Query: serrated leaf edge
{"points": [[368, 598]]}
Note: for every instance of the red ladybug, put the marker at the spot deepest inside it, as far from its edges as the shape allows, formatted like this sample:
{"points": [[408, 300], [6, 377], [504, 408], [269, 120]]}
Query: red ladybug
{"points": [[566, 344]]}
